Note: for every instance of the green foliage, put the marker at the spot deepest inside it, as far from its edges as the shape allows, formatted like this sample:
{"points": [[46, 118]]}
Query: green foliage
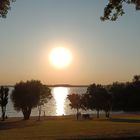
{"points": [[45, 96], [3, 100], [75, 102], [117, 91], [136, 79], [99, 98], [132, 95], [115, 8], [126, 96], [28, 95], [4, 7], [112, 11], [115, 97]]}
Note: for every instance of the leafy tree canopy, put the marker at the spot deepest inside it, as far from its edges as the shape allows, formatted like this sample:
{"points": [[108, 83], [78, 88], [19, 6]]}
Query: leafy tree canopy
{"points": [[112, 11], [115, 8], [75, 102], [28, 95], [4, 7], [99, 98]]}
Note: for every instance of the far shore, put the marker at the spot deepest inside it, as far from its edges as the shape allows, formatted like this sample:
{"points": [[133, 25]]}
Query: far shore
{"points": [[56, 85]]}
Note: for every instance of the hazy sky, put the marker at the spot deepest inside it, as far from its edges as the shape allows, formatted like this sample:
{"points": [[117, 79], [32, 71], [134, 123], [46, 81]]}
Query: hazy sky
{"points": [[103, 52]]}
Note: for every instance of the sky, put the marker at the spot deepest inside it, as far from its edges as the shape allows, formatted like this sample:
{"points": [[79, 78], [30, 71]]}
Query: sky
{"points": [[103, 52]]}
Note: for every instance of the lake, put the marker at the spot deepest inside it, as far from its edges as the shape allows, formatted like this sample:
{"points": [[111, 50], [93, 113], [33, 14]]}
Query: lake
{"points": [[58, 105]]}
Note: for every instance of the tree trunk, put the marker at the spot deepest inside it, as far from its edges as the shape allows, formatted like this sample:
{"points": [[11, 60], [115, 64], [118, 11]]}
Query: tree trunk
{"points": [[98, 115], [39, 112], [26, 113], [77, 113], [107, 114], [3, 113]]}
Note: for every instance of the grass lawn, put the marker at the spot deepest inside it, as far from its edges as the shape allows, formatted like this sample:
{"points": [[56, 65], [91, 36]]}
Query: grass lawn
{"points": [[68, 128]]}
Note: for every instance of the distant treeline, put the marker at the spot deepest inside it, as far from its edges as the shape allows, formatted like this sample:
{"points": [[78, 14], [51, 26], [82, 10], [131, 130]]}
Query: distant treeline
{"points": [[114, 97], [67, 85]]}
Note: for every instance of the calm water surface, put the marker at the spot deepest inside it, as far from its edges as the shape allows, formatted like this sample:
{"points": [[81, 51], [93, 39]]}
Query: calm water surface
{"points": [[58, 105]]}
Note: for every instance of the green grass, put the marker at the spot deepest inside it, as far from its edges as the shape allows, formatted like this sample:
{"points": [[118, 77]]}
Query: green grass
{"points": [[69, 128]]}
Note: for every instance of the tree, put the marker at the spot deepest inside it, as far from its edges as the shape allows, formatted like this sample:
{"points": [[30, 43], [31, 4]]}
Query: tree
{"points": [[115, 8], [132, 95], [45, 96], [75, 102], [112, 11], [4, 7], [3, 100], [98, 98], [117, 91], [126, 96], [107, 104], [136, 79], [27, 95]]}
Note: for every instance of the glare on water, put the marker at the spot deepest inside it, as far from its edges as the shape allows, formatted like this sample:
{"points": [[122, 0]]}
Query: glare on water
{"points": [[58, 105], [60, 95]]}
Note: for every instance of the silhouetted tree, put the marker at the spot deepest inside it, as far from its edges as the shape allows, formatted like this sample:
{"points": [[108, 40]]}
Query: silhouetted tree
{"points": [[86, 105], [118, 93], [45, 96], [3, 100], [115, 8], [112, 11], [136, 84], [27, 95], [75, 102], [126, 96], [136, 79], [132, 95], [98, 98], [107, 104], [4, 7]]}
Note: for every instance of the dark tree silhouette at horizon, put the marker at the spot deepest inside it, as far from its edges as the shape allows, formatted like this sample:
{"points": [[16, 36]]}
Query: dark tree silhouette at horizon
{"points": [[99, 99], [132, 95], [117, 91], [28, 95], [75, 102], [126, 96], [3, 100]]}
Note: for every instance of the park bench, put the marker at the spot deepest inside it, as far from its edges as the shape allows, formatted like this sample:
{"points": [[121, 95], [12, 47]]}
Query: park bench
{"points": [[86, 116]]}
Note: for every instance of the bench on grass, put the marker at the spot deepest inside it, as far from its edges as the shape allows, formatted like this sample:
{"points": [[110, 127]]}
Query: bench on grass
{"points": [[86, 116]]}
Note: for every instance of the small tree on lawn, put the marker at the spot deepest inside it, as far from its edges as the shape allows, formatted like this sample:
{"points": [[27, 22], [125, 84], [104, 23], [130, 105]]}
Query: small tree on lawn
{"points": [[75, 102], [45, 96], [3, 100]]}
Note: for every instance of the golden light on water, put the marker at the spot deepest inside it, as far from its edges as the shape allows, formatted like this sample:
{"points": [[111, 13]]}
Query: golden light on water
{"points": [[60, 94]]}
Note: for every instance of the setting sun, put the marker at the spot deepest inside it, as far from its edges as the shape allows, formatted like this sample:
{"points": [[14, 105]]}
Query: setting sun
{"points": [[60, 57]]}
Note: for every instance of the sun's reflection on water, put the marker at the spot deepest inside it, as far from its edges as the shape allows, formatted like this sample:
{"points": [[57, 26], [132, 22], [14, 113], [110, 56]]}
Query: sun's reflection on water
{"points": [[60, 95]]}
